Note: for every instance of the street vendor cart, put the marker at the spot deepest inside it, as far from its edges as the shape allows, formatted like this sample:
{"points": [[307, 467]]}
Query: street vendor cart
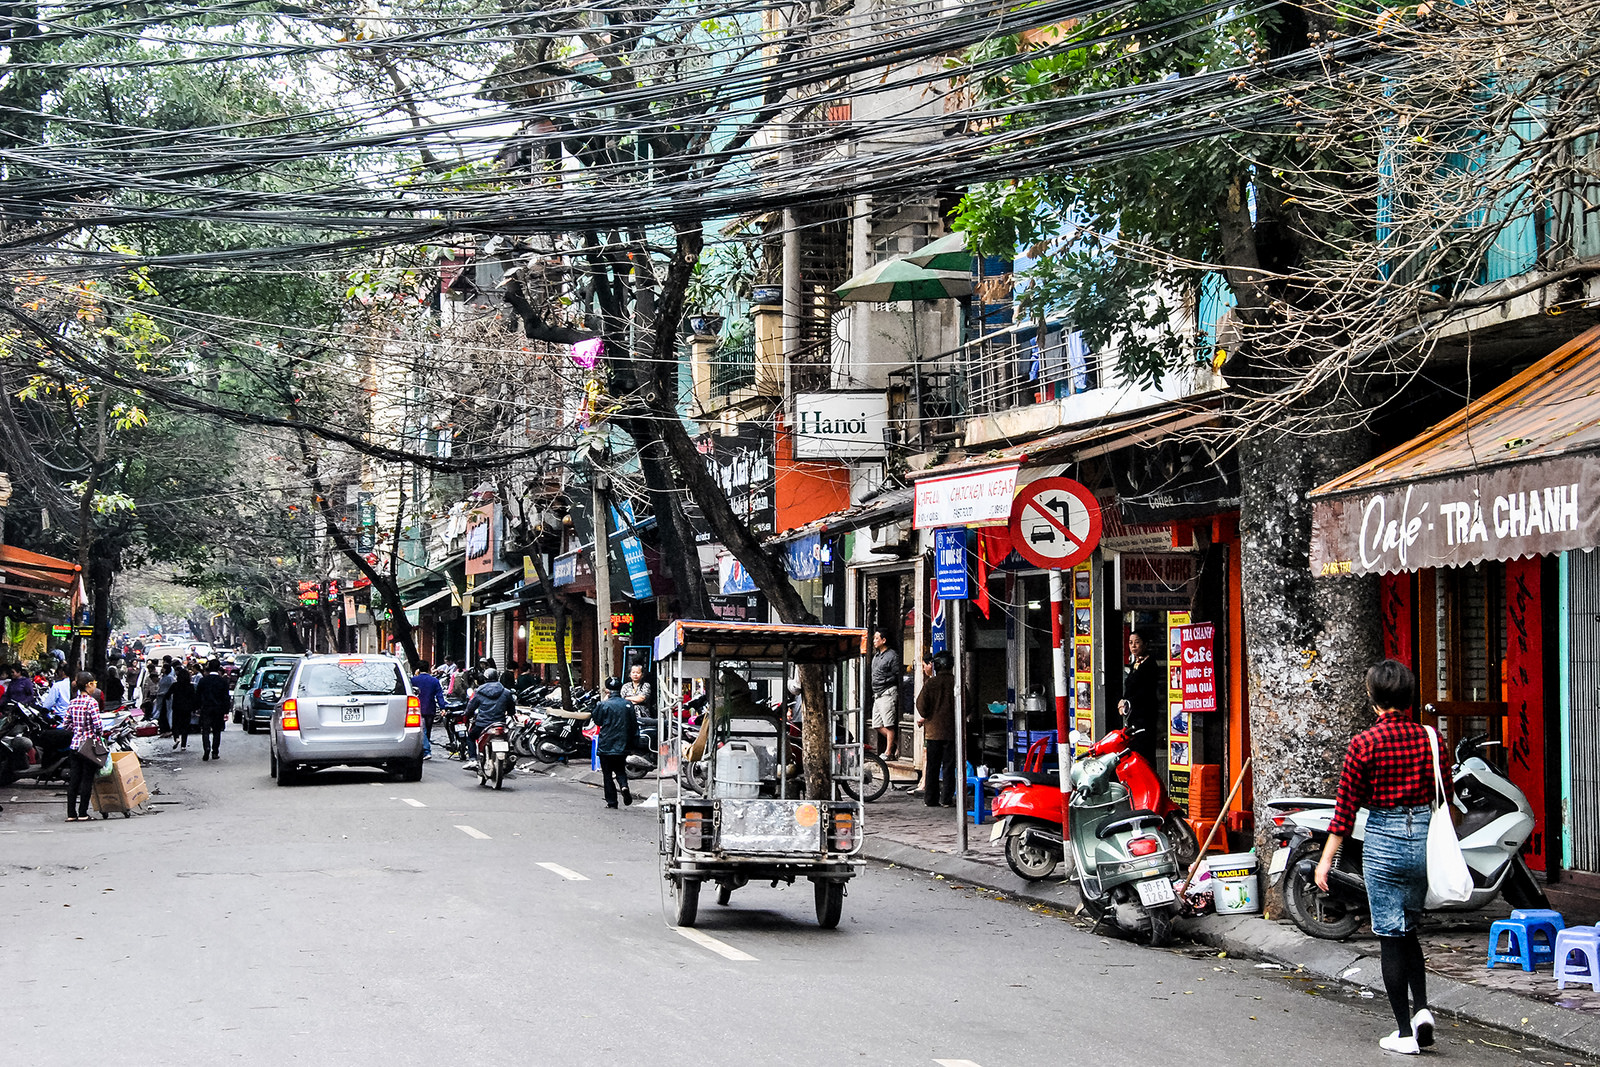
{"points": [[733, 804]]}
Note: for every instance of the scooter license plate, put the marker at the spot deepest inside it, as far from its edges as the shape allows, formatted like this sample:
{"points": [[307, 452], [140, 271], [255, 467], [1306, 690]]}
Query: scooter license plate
{"points": [[1156, 891], [1280, 862], [499, 748], [999, 830]]}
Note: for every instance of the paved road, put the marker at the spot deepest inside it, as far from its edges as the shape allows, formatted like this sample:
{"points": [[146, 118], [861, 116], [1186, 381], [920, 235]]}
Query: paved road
{"points": [[359, 920]]}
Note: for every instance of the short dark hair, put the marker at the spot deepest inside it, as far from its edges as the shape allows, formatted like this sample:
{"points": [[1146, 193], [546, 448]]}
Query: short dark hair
{"points": [[420, 665], [942, 662], [613, 685], [84, 680], [1390, 684]]}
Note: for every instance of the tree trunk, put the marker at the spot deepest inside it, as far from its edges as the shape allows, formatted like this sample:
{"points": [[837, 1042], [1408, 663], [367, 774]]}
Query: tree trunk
{"points": [[102, 569], [1310, 639]]}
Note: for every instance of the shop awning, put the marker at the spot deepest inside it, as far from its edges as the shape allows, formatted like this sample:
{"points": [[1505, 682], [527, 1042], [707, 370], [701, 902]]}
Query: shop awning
{"points": [[35, 576], [430, 599], [1515, 473]]}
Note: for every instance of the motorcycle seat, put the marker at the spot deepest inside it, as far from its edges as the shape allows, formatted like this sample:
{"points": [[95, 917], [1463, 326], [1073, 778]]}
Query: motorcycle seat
{"points": [[1136, 819], [1050, 778], [562, 713]]}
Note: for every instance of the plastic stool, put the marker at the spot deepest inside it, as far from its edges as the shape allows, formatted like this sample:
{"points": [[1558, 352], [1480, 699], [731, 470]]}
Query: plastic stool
{"points": [[1523, 933], [1544, 921], [1578, 940]]}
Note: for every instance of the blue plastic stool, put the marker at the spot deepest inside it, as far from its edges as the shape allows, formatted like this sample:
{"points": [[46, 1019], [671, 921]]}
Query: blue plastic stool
{"points": [[1544, 921], [1578, 940], [1530, 934], [975, 786]]}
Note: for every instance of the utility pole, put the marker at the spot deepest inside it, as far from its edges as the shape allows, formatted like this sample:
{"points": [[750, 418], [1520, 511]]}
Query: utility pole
{"points": [[602, 572]]}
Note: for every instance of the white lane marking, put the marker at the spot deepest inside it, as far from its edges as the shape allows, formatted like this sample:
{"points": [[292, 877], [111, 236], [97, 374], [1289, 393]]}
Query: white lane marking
{"points": [[413, 803], [470, 832], [726, 951], [566, 872], [955, 1063]]}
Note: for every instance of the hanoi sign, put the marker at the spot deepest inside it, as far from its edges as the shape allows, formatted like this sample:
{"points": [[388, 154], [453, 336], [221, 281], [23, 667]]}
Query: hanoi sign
{"points": [[1055, 523]]}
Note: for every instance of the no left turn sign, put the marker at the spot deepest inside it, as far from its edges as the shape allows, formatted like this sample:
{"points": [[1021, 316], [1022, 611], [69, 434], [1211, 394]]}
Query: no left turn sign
{"points": [[1055, 523]]}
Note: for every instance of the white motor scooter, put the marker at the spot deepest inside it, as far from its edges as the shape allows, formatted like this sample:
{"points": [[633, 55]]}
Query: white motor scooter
{"points": [[1495, 823]]}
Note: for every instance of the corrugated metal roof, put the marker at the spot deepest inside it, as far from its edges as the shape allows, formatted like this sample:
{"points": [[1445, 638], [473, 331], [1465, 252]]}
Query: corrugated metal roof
{"points": [[1551, 409], [1087, 440]]}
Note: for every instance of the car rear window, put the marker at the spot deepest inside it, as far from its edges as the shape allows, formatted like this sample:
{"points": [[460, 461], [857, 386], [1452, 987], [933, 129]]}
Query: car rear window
{"points": [[274, 678], [361, 678]]}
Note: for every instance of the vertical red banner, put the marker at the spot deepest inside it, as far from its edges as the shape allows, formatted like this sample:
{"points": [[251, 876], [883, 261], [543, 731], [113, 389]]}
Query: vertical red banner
{"points": [[1394, 618], [1524, 679]]}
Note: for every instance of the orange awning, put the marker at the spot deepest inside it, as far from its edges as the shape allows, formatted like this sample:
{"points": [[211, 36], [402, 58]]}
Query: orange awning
{"points": [[34, 576], [1515, 473]]}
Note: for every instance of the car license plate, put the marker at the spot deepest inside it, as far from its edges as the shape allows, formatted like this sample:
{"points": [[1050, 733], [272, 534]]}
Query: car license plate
{"points": [[355, 715], [1156, 891], [999, 830]]}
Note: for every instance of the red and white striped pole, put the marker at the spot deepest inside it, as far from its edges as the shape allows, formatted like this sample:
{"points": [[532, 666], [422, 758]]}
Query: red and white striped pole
{"points": [[1058, 657]]}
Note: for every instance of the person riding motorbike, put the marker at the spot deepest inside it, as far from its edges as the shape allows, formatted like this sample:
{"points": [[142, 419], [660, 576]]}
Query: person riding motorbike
{"points": [[492, 703]]}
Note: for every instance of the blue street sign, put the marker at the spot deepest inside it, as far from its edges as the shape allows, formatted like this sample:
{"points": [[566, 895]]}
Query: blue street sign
{"points": [[950, 562]]}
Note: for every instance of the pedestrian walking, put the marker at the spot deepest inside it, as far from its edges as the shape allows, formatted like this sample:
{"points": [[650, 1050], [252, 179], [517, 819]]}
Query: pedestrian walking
{"points": [[885, 679], [114, 689], [429, 697], [169, 675], [88, 740], [212, 697], [614, 716], [1388, 769], [936, 714], [180, 707], [149, 681]]}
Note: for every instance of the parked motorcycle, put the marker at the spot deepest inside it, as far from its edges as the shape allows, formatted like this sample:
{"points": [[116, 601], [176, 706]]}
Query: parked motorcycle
{"points": [[560, 736], [1029, 805], [31, 749], [495, 758], [1124, 865], [1495, 824]]}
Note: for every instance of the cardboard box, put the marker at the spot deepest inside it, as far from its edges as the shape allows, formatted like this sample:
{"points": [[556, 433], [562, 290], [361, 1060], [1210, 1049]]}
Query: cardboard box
{"points": [[124, 788]]}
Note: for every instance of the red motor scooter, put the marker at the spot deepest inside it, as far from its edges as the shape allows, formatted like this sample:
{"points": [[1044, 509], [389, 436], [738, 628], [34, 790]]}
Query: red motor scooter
{"points": [[1030, 807]]}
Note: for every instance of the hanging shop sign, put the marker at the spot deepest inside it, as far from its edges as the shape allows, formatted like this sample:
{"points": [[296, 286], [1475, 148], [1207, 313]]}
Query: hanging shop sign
{"points": [[1180, 741], [978, 498], [1055, 523], [939, 629], [1177, 478], [840, 425], [1502, 513], [747, 607], [732, 578], [60, 631], [480, 540], [802, 558], [743, 464], [1197, 667], [950, 563], [1157, 582], [542, 640], [622, 624]]}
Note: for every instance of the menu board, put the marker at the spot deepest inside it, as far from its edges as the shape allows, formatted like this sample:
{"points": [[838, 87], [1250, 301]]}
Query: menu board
{"points": [[1180, 755]]}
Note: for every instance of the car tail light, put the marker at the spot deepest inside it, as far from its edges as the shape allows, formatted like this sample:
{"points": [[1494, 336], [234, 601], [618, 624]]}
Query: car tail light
{"points": [[844, 831], [413, 712], [1142, 846], [291, 714]]}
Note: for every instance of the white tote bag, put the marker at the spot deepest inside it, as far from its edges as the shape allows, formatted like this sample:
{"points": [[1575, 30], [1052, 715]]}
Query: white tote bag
{"points": [[1449, 881]]}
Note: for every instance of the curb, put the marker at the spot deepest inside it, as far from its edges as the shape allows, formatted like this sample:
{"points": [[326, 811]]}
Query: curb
{"points": [[1251, 937]]}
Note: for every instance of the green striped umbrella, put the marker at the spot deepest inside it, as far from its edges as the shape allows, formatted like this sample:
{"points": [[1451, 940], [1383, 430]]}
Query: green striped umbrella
{"points": [[949, 252], [896, 279]]}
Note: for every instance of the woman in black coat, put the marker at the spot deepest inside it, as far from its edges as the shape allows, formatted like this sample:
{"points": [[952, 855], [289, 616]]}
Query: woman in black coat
{"points": [[183, 707], [1144, 697]]}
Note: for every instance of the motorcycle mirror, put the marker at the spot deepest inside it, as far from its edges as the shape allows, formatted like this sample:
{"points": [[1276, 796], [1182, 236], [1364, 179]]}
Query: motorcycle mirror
{"points": [[1074, 738]]}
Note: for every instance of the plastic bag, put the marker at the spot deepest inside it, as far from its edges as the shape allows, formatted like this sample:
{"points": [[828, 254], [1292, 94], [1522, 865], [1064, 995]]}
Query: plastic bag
{"points": [[107, 767], [1449, 881]]}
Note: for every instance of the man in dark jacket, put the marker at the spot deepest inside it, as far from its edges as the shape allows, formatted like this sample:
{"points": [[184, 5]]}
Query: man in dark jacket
{"points": [[491, 703], [429, 697], [936, 713], [212, 698], [614, 716]]}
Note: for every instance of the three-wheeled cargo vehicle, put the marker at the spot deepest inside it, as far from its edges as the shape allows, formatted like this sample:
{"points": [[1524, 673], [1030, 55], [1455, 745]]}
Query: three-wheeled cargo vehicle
{"points": [[733, 804]]}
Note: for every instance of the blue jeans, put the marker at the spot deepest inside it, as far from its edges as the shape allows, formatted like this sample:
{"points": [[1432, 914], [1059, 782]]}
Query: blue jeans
{"points": [[1394, 863], [427, 735]]}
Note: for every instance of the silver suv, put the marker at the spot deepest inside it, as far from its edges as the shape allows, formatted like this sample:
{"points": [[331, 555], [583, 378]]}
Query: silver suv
{"points": [[347, 710]]}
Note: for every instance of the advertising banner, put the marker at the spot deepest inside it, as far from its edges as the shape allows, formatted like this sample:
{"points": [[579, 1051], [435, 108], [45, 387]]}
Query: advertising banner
{"points": [[978, 498], [1197, 667]]}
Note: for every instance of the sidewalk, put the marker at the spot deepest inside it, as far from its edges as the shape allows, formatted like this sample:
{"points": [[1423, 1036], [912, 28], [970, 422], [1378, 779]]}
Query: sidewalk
{"points": [[903, 831]]}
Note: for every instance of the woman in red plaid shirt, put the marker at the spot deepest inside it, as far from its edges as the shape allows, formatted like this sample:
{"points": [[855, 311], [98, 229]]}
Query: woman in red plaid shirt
{"points": [[83, 716], [1388, 770]]}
